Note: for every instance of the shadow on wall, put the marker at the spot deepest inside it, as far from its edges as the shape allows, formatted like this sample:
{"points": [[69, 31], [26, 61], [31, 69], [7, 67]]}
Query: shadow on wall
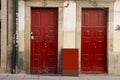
{"points": [[20, 62]]}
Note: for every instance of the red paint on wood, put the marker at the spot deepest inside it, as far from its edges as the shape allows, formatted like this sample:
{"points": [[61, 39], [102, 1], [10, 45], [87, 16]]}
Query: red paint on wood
{"points": [[94, 40], [44, 25], [70, 59]]}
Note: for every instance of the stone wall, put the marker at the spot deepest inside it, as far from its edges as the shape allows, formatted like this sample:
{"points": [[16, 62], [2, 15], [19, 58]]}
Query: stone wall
{"points": [[116, 38], [69, 30], [3, 36]]}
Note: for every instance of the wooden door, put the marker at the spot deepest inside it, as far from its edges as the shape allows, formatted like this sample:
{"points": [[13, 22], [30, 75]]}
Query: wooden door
{"points": [[44, 40], [94, 40]]}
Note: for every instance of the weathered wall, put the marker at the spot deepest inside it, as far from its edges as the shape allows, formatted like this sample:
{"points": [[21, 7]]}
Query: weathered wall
{"points": [[21, 58], [69, 33], [116, 38], [4, 36], [9, 35], [69, 24]]}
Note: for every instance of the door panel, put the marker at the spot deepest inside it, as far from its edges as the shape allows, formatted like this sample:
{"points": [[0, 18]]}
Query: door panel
{"points": [[94, 37], [44, 37]]}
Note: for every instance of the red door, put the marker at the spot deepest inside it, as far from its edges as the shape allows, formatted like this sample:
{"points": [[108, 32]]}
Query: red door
{"points": [[94, 40], [44, 37]]}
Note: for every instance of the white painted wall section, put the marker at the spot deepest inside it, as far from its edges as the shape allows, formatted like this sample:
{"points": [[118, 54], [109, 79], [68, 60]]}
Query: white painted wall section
{"points": [[116, 38], [116, 41], [21, 24], [69, 24], [117, 13]]}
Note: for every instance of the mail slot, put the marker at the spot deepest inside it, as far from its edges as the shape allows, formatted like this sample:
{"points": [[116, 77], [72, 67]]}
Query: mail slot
{"points": [[70, 62]]}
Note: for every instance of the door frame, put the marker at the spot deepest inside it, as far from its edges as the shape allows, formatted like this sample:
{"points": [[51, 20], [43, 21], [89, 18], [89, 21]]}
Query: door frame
{"points": [[40, 4], [109, 6]]}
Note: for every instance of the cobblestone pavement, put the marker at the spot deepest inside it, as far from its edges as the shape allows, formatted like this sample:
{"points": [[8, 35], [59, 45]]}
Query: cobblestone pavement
{"points": [[43, 77]]}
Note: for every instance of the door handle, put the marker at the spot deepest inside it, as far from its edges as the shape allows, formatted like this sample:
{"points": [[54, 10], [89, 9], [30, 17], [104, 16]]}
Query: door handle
{"points": [[31, 33], [32, 37]]}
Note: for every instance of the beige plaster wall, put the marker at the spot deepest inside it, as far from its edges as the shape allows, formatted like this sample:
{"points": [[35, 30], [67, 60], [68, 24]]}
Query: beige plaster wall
{"points": [[116, 38], [69, 39], [116, 52], [116, 41], [21, 39], [10, 34], [6, 35], [69, 24], [3, 37], [116, 23]]}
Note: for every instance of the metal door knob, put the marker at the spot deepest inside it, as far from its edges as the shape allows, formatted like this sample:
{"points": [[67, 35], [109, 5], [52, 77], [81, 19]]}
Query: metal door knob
{"points": [[32, 37], [31, 33]]}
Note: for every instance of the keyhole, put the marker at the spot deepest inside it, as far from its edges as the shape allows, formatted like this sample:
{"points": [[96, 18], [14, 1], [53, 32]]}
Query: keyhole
{"points": [[94, 33], [95, 46]]}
